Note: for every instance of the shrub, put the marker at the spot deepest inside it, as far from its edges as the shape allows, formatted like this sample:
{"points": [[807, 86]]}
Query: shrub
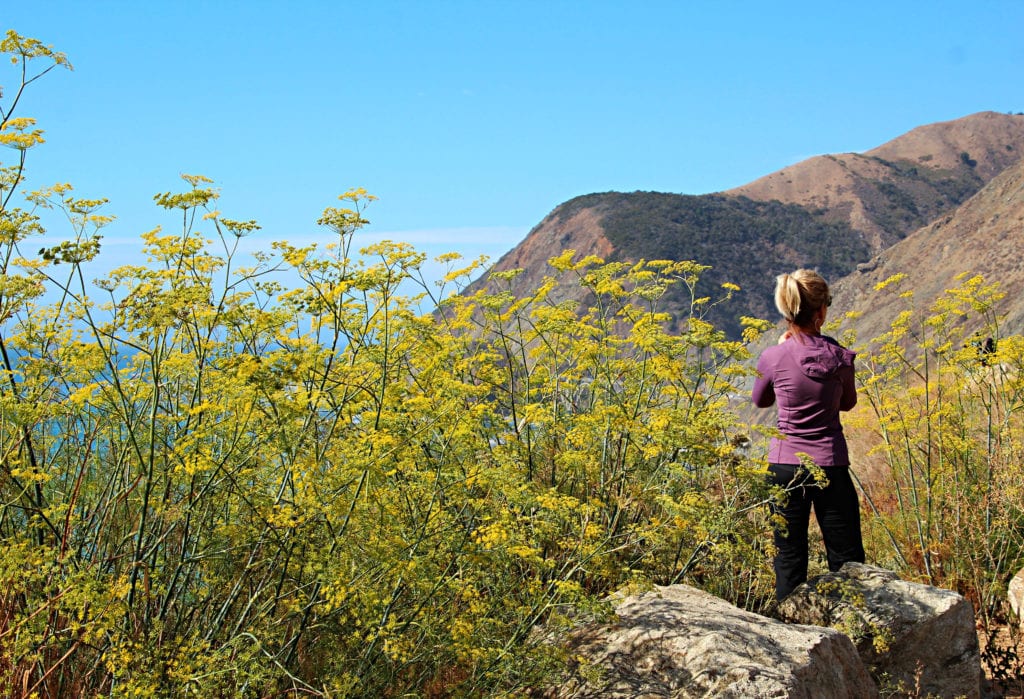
{"points": [[945, 406], [233, 477]]}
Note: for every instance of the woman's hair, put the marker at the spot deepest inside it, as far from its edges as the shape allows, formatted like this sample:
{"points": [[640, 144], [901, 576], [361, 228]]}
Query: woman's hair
{"points": [[799, 295]]}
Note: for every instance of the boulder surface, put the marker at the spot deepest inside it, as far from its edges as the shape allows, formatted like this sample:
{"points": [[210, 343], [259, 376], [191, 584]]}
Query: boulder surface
{"points": [[1015, 594], [912, 637], [680, 642]]}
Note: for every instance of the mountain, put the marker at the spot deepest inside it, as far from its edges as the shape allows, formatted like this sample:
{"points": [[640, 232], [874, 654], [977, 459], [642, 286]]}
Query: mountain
{"points": [[830, 212], [904, 184], [983, 236]]}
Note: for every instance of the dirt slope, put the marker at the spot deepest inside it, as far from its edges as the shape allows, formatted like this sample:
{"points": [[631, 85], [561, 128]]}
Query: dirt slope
{"points": [[984, 236], [991, 142]]}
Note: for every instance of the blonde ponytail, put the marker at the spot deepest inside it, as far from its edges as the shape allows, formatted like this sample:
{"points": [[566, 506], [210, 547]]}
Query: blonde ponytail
{"points": [[787, 296], [800, 295]]}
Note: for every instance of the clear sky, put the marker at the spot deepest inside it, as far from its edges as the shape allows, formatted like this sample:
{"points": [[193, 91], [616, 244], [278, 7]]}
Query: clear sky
{"points": [[471, 120]]}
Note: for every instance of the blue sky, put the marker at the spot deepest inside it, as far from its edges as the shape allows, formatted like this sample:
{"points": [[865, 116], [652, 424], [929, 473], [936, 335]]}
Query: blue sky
{"points": [[472, 120]]}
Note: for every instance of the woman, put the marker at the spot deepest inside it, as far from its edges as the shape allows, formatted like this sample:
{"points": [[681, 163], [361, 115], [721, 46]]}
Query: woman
{"points": [[810, 378]]}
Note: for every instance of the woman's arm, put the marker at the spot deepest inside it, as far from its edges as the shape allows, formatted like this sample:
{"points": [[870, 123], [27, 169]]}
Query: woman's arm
{"points": [[849, 397], [763, 393]]}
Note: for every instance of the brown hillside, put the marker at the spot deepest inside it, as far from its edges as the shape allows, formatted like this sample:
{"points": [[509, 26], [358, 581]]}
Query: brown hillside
{"points": [[841, 183], [827, 182], [579, 230], [984, 236], [990, 138], [854, 205]]}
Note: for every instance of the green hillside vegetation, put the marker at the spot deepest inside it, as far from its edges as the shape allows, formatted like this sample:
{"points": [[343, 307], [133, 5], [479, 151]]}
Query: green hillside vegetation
{"points": [[915, 195], [745, 242], [215, 484]]}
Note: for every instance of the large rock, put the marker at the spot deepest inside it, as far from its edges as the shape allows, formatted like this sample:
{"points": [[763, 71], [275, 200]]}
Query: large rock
{"points": [[681, 642], [912, 637], [1015, 594]]}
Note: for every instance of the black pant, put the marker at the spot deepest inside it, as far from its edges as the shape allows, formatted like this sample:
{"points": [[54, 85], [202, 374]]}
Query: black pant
{"points": [[837, 510]]}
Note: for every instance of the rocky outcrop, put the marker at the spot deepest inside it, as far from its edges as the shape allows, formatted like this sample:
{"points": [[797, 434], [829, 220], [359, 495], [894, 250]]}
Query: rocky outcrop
{"points": [[912, 637], [680, 642], [860, 632], [1015, 595]]}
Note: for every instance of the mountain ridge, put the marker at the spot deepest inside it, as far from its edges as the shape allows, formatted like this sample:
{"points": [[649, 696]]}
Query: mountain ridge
{"points": [[955, 154], [979, 238], [832, 212]]}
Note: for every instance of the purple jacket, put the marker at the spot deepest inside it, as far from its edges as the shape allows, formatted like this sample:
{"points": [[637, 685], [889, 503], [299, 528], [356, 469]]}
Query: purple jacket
{"points": [[811, 379]]}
